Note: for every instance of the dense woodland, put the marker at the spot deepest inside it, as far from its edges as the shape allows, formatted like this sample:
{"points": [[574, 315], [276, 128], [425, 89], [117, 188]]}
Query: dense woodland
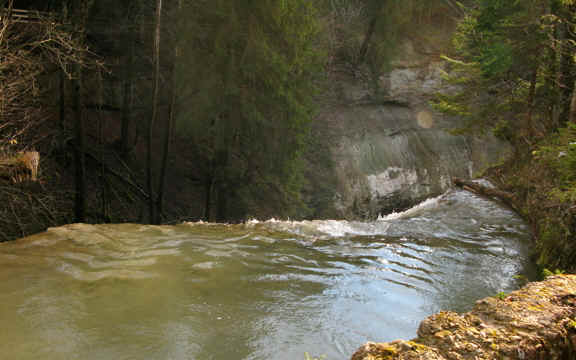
{"points": [[514, 66], [161, 111], [208, 104]]}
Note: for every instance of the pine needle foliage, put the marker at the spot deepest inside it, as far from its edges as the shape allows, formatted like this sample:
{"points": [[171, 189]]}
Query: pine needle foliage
{"points": [[512, 68], [513, 73], [246, 86]]}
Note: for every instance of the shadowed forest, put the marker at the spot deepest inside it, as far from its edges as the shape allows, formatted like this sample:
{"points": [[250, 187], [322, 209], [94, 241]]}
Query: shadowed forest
{"points": [[162, 111]]}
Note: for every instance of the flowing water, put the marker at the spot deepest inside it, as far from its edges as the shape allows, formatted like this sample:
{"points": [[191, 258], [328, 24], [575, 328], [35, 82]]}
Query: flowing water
{"points": [[269, 290]]}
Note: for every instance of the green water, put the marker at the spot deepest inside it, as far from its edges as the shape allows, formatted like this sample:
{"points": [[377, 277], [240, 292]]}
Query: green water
{"points": [[263, 290]]}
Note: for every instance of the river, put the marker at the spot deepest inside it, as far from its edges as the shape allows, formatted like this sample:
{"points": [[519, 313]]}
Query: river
{"points": [[271, 290]]}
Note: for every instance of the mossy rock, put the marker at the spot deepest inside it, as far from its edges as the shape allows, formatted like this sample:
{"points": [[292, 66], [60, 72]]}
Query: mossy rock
{"points": [[535, 322]]}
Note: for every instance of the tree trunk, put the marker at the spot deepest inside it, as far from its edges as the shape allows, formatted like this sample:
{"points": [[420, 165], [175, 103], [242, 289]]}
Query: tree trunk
{"points": [[222, 203], [126, 145], [79, 157], [104, 186], [566, 82], [208, 189], [531, 97], [62, 100], [170, 123], [565, 70], [166, 153], [376, 14], [80, 17], [505, 197], [366, 42], [154, 218], [572, 116], [222, 185], [456, 6]]}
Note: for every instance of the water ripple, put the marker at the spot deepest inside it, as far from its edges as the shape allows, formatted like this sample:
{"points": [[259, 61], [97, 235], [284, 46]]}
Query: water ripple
{"points": [[263, 290]]}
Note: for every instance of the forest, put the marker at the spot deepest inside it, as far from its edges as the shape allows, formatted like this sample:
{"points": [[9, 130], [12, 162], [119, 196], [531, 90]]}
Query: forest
{"points": [[111, 95], [161, 111]]}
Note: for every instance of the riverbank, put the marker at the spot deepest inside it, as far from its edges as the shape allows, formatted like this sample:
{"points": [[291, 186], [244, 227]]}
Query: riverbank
{"points": [[540, 180], [535, 322]]}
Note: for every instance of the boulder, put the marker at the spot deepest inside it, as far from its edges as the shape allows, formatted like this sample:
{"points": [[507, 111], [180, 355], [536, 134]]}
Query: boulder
{"points": [[537, 322]]}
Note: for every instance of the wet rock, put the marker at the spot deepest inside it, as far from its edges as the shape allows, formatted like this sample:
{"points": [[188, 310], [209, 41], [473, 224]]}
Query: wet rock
{"points": [[536, 322], [387, 147], [396, 350]]}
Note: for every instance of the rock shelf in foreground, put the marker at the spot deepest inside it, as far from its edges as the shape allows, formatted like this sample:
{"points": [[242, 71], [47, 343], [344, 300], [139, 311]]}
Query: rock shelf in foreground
{"points": [[535, 322]]}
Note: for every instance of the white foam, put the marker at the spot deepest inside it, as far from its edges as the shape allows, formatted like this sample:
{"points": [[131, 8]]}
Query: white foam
{"points": [[338, 228], [426, 204]]}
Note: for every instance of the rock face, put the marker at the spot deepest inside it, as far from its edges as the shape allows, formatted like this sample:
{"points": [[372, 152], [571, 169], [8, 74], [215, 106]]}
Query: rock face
{"points": [[395, 156], [389, 148], [536, 322]]}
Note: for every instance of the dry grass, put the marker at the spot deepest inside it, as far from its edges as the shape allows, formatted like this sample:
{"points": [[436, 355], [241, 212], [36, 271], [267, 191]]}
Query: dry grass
{"points": [[30, 52]]}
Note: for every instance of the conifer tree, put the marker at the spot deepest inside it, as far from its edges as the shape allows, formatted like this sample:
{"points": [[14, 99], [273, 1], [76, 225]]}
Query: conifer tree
{"points": [[513, 67], [245, 95]]}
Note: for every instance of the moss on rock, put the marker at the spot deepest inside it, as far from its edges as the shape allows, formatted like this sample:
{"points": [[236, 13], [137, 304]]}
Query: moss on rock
{"points": [[535, 322]]}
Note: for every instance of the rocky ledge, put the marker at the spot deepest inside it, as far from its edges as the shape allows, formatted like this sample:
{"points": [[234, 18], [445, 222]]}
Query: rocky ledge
{"points": [[535, 322]]}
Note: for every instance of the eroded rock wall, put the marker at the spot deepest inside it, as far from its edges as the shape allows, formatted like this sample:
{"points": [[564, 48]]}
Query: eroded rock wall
{"points": [[390, 149]]}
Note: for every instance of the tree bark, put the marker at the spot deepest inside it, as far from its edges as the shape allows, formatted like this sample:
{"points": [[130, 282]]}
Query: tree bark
{"points": [[505, 197], [366, 42], [222, 202], [377, 9], [79, 158], [222, 184], [531, 97], [565, 70], [170, 123], [208, 189], [165, 156], [104, 186], [154, 218], [572, 116], [456, 6], [80, 16], [126, 145], [62, 100], [566, 85]]}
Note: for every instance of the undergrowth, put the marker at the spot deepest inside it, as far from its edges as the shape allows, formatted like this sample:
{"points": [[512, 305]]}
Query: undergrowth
{"points": [[543, 181]]}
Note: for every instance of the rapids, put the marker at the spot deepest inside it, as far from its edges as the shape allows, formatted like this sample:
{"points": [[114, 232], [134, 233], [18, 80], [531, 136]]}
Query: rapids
{"points": [[270, 290]]}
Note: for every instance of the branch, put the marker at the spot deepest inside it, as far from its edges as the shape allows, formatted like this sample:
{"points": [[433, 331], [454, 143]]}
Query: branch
{"points": [[507, 198], [120, 176], [456, 6]]}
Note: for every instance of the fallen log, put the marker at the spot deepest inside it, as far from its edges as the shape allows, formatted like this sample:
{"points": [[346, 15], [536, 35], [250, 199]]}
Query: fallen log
{"points": [[507, 198]]}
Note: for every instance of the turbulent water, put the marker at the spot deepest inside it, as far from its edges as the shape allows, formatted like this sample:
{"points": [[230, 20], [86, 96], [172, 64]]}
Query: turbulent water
{"points": [[271, 290]]}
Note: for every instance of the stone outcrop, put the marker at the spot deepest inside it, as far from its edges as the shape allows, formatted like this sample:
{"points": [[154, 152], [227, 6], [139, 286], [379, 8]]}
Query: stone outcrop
{"points": [[393, 156], [389, 148], [537, 322]]}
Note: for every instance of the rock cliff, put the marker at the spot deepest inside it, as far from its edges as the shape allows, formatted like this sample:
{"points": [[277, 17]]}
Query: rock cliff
{"points": [[389, 149]]}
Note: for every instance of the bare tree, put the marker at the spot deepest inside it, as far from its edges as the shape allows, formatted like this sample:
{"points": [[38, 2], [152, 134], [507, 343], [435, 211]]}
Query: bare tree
{"points": [[31, 49], [152, 208], [170, 121]]}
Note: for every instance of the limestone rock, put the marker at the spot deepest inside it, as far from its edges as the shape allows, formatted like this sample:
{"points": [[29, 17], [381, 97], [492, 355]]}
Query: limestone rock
{"points": [[536, 322], [389, 149]]}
